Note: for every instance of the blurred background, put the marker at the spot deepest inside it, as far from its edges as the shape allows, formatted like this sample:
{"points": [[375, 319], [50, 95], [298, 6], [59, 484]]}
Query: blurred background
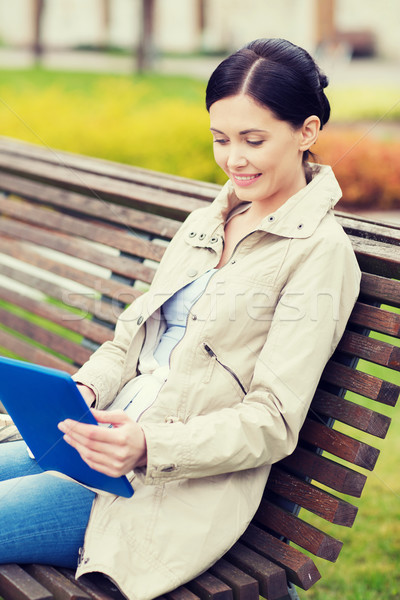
{"points": [[121, 78], [124, 80]]}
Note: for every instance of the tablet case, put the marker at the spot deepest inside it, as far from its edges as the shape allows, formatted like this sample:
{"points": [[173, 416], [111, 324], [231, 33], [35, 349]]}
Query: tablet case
{"points": [[37, 398]]}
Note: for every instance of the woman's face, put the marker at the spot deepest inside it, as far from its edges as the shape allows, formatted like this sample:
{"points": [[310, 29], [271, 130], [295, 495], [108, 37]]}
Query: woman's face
{"points": [[260, 154]]}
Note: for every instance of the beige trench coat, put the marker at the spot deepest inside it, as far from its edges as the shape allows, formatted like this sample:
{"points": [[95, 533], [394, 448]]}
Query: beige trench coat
{"points": [[240, 384]]}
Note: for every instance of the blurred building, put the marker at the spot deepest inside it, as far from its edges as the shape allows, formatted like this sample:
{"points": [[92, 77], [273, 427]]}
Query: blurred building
{"points": [[358, 27]]}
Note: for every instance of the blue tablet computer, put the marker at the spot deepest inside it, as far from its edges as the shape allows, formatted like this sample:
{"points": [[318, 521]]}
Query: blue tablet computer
{"points": [[37, 398]]}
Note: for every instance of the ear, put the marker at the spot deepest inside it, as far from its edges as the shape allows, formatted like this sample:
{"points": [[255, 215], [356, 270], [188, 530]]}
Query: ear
{"points": [[309, 132]]}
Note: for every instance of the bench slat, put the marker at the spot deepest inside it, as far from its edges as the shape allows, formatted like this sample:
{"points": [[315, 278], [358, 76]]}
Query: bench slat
{"points": [[339, 444], [376, 257], [74, 247], [361, 383], [243, 586], [56, 583], [312, 498], [86, 205], [299, 568], [103, 187], [359, 417], [380, 233], [108, 235], [104, 311], [207, 585], [181, 593], [75, 352], [368, 348], [26, 253], [296, 530], [380, 288], [376, 318], [16, 584], [90, 330], [95, 585], [32, 353], [271, 577], [305, 463], [78, 162]]}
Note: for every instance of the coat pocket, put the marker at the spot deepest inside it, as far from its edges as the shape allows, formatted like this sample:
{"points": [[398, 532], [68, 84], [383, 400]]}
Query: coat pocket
{"points": [[215, 360]]}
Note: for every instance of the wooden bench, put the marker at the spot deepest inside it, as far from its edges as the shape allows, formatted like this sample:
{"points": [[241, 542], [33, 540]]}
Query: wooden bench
{"points": [[79, 239]]}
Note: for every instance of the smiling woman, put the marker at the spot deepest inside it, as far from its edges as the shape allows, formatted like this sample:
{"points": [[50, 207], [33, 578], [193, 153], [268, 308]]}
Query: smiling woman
{"points": [[210, 374]]}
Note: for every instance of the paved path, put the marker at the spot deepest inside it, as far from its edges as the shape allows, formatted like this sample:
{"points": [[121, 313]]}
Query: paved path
{"points": [[341, 71]]}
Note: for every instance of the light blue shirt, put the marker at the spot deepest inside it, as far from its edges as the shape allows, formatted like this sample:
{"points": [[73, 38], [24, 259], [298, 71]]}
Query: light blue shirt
{"points": [[175, 312]]}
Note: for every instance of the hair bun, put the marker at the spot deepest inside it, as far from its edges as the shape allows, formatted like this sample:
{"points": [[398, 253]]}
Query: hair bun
{"points": [[323, 79]]}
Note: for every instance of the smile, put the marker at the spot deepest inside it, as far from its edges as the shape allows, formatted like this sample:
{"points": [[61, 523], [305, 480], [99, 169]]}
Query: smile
{"points": [[243, 180]]}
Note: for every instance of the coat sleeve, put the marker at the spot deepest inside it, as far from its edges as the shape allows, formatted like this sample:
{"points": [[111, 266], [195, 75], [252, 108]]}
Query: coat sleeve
{"points": [[308, 322]]}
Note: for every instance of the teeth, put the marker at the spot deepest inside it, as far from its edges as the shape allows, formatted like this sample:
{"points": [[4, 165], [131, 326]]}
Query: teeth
{"points": [[247, 178]]}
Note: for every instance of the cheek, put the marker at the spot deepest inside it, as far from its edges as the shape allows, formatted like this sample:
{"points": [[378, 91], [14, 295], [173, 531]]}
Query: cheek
{"points": [[220, 156]]}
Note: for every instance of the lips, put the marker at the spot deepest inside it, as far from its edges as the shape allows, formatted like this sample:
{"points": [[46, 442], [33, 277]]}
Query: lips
{"points": [[245, 180]]}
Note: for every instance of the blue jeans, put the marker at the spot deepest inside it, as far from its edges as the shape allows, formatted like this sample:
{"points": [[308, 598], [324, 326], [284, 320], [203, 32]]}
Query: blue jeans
{"points": [[43, 518]]}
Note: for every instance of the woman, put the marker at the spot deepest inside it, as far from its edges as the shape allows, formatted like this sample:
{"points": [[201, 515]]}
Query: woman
{"points": [[216, 365]]}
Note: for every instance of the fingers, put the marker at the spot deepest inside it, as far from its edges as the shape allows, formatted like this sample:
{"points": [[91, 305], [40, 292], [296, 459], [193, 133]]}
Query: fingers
{"points": [[114, 451]]}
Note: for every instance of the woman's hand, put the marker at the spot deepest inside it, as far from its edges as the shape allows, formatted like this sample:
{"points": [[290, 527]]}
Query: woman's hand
{"points": [[112, 450]]}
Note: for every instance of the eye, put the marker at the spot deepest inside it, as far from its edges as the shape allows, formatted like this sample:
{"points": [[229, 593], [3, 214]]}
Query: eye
{"points": [[255, 143], [220, 141]]}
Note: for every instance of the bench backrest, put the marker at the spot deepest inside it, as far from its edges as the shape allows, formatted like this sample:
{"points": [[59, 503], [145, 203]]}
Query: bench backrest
{"points": [[80, 238]]}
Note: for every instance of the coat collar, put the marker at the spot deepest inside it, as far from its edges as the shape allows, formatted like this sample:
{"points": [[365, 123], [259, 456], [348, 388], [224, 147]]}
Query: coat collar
{"points": [[298, 217]]}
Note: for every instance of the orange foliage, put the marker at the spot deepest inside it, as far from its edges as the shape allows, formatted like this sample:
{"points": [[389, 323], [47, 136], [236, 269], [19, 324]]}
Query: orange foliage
{"points": [[367, 168]]}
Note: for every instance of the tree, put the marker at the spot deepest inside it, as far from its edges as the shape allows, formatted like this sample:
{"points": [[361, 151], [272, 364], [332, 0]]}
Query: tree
{"points": [[145, 51], [37, 21]]}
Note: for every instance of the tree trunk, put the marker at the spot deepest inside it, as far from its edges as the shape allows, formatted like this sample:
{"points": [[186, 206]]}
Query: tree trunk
{"points": [[37, 16], [145, 52]]}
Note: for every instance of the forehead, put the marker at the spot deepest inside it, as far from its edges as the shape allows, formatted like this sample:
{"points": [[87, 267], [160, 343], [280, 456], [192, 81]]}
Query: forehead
{"points": [[241, 112]]}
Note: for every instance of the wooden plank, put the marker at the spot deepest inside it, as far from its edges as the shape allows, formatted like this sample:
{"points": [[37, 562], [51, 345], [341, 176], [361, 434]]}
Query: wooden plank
{"points": [[337, 443], [243, 586], [96, 585], [370, 230], [305, 463], [107, 287], [361, 383], [311, 498], [377, 257], [85, 205], [78, 354], [359, 417], [84, 301], [376, 318], [33, 354], [298, 531], [181, 593], [182, 185], [95, 332], [271, 578], [208, 586], [53, 580], [126, 241], [379, 288], [16, 584], [77, 247], [299, 568], [167, 203], [368, 348]]}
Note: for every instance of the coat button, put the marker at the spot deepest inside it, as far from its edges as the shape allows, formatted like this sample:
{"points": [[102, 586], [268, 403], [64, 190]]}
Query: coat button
{"points": [[167, 468], [300, 226], [140, 320], [271, 218], [191, 272], [192, 234], [214, 239], [194, 317]]}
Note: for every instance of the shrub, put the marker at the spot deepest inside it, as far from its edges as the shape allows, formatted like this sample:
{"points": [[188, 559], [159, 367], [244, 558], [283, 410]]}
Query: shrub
{"points": [[368, 169]]}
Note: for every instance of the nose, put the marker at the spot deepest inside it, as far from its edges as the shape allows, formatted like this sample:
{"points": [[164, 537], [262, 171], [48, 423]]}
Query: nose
{"points": [[236, 157]]}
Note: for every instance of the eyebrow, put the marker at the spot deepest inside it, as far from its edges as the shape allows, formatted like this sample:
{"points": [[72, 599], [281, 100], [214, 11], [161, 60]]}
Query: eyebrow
{"points": [[244, 132]]}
